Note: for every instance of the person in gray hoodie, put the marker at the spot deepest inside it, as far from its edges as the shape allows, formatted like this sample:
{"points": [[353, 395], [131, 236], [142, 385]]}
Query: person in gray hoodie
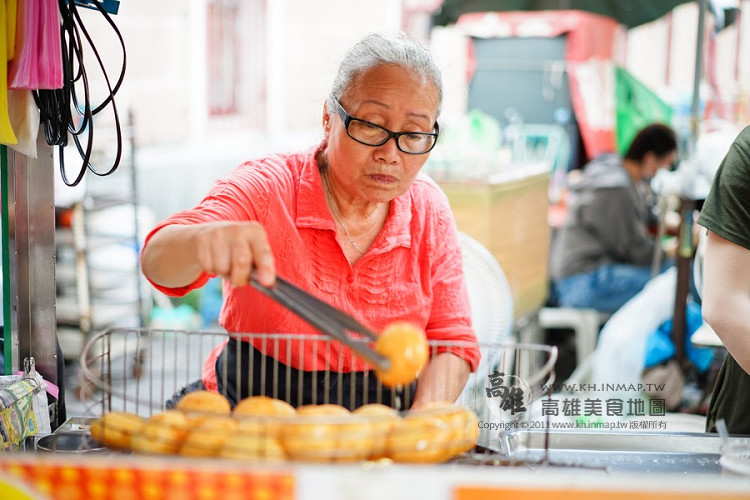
{"points": [[602, 255]]}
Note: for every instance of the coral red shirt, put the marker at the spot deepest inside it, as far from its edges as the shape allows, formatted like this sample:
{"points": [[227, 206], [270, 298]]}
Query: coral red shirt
{"points": [[413, 271]]}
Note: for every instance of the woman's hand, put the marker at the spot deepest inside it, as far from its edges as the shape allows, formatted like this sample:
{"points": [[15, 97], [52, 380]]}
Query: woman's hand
{"points": [[232, 249], [176, 255]]}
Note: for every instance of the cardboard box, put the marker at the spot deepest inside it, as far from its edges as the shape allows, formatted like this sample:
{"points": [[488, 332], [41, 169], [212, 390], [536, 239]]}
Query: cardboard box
{"points": [[508, 215]]}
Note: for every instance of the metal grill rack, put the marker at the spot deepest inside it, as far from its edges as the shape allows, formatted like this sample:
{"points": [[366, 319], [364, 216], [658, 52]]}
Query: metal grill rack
{"points": [[174, 359]]}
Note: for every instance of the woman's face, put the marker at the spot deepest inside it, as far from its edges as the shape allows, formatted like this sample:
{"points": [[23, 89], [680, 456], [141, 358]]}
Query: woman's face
{"points": [[397, 100]]}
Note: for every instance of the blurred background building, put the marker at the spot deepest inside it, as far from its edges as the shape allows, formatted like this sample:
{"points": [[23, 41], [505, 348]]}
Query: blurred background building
{"points": [[212, 82]]}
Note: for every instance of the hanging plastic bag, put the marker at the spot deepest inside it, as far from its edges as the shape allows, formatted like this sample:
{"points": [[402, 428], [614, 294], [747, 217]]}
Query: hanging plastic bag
{"points": [[38, 60], [50, 47], [21, 66], [10, 27], [660, 348], [620, 352], [24, 118], [24, 410], [6, 131]]}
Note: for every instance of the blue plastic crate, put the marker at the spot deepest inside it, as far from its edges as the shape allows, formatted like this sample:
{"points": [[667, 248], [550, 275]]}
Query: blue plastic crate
{"points": [[111, 6]]}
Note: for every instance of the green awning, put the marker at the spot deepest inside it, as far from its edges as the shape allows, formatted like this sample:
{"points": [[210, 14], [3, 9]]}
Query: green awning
{"points": [[630, 13]]}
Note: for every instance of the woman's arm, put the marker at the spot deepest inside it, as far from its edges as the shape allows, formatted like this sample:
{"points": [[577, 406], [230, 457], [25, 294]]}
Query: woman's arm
{"points": [[726, 295], [176, 255], [442, 379]]}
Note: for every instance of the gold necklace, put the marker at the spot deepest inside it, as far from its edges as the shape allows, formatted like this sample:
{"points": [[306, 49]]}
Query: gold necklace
{"points": [[332, 204]]}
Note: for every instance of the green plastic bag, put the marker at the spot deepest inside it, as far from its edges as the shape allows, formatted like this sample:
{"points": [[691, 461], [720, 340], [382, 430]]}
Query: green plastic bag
{"points": [[636, 106]]}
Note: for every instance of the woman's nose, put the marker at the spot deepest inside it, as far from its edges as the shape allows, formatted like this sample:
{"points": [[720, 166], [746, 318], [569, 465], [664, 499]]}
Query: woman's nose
{"points": [[388, 151]]}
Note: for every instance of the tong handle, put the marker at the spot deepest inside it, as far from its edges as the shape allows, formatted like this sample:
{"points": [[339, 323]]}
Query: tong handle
{"points": [[324, 317], [336, 315]]}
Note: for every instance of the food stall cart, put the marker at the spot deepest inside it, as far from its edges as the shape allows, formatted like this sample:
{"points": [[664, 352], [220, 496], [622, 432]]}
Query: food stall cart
{"points": [[62, 476], [578, 465], [536, 458]]}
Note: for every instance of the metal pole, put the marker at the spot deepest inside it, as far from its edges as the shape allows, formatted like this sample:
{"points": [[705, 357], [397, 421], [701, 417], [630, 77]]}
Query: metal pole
{"points": [[136, 226], [685, 238], [683, 259], [10, 345], [695, 109], [34, 234]]}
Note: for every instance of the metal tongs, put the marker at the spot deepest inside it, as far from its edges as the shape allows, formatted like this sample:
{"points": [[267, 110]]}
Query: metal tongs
{"points": [[325, 318]]}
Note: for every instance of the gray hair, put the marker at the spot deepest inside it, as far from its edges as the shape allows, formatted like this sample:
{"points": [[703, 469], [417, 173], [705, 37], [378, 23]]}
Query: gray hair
{"points": [[377, 49]]}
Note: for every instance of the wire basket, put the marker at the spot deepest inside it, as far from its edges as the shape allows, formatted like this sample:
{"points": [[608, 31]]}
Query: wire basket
{"points": [[144, 371]]}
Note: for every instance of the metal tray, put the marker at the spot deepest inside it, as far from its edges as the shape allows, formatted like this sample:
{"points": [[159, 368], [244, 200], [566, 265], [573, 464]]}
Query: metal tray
{"points": [[75, 424], [681, 452], [70, 442]]}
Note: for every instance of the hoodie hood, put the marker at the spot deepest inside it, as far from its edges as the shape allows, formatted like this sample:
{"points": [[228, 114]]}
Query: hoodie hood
{"points": [[604, 172]]}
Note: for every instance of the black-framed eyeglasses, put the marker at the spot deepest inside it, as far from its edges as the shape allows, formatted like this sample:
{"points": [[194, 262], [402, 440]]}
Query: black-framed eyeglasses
{"points": [[370, 134]]}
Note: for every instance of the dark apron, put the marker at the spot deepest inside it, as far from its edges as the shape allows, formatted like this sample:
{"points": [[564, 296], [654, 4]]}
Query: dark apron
{"points": [[262, 375]]}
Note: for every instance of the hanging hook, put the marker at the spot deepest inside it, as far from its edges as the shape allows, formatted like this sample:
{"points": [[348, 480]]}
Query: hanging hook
{"points": [[29, 367]]}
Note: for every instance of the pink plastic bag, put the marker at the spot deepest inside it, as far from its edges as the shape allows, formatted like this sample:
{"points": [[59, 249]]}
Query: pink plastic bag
{"points": [[38, 53], [50, 47]]}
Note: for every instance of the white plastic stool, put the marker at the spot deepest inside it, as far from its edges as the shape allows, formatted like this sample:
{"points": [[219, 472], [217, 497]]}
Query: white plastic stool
{"points": [[585, 323]]}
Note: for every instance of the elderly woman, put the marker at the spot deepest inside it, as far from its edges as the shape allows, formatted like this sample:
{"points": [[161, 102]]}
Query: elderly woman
{"points": [[350, 220]]}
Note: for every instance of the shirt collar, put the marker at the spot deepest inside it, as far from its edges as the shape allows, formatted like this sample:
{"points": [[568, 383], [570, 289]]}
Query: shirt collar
{"points": [[313, 213]]}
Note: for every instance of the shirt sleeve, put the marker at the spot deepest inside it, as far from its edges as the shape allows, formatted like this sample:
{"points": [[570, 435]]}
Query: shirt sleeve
{"points": [[726, 211], [450, 319], [242, 195], [201, 280]]}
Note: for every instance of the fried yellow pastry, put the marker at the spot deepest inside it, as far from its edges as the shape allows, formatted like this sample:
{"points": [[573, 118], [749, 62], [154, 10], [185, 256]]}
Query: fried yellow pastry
{"points": [[162, 434], [405, 346], [115, 429], [207, 439]]}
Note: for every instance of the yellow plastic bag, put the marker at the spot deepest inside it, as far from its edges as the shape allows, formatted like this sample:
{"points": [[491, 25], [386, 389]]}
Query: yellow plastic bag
{"points": [[6, 131], [10, 17]]}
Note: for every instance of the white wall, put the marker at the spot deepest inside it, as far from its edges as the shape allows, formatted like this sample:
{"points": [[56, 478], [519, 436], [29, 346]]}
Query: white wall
{"points": [[165, 80], [671, 71], [180, 150], [165, 83], [312, 40], [157, 78]]}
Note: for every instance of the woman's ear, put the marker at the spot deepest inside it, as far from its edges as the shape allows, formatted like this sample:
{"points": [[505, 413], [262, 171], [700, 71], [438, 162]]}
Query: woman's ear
{"points": [[326, 120]]}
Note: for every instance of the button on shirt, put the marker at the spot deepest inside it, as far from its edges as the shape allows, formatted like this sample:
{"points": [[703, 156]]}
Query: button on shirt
{"points": [[413, 270]]}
